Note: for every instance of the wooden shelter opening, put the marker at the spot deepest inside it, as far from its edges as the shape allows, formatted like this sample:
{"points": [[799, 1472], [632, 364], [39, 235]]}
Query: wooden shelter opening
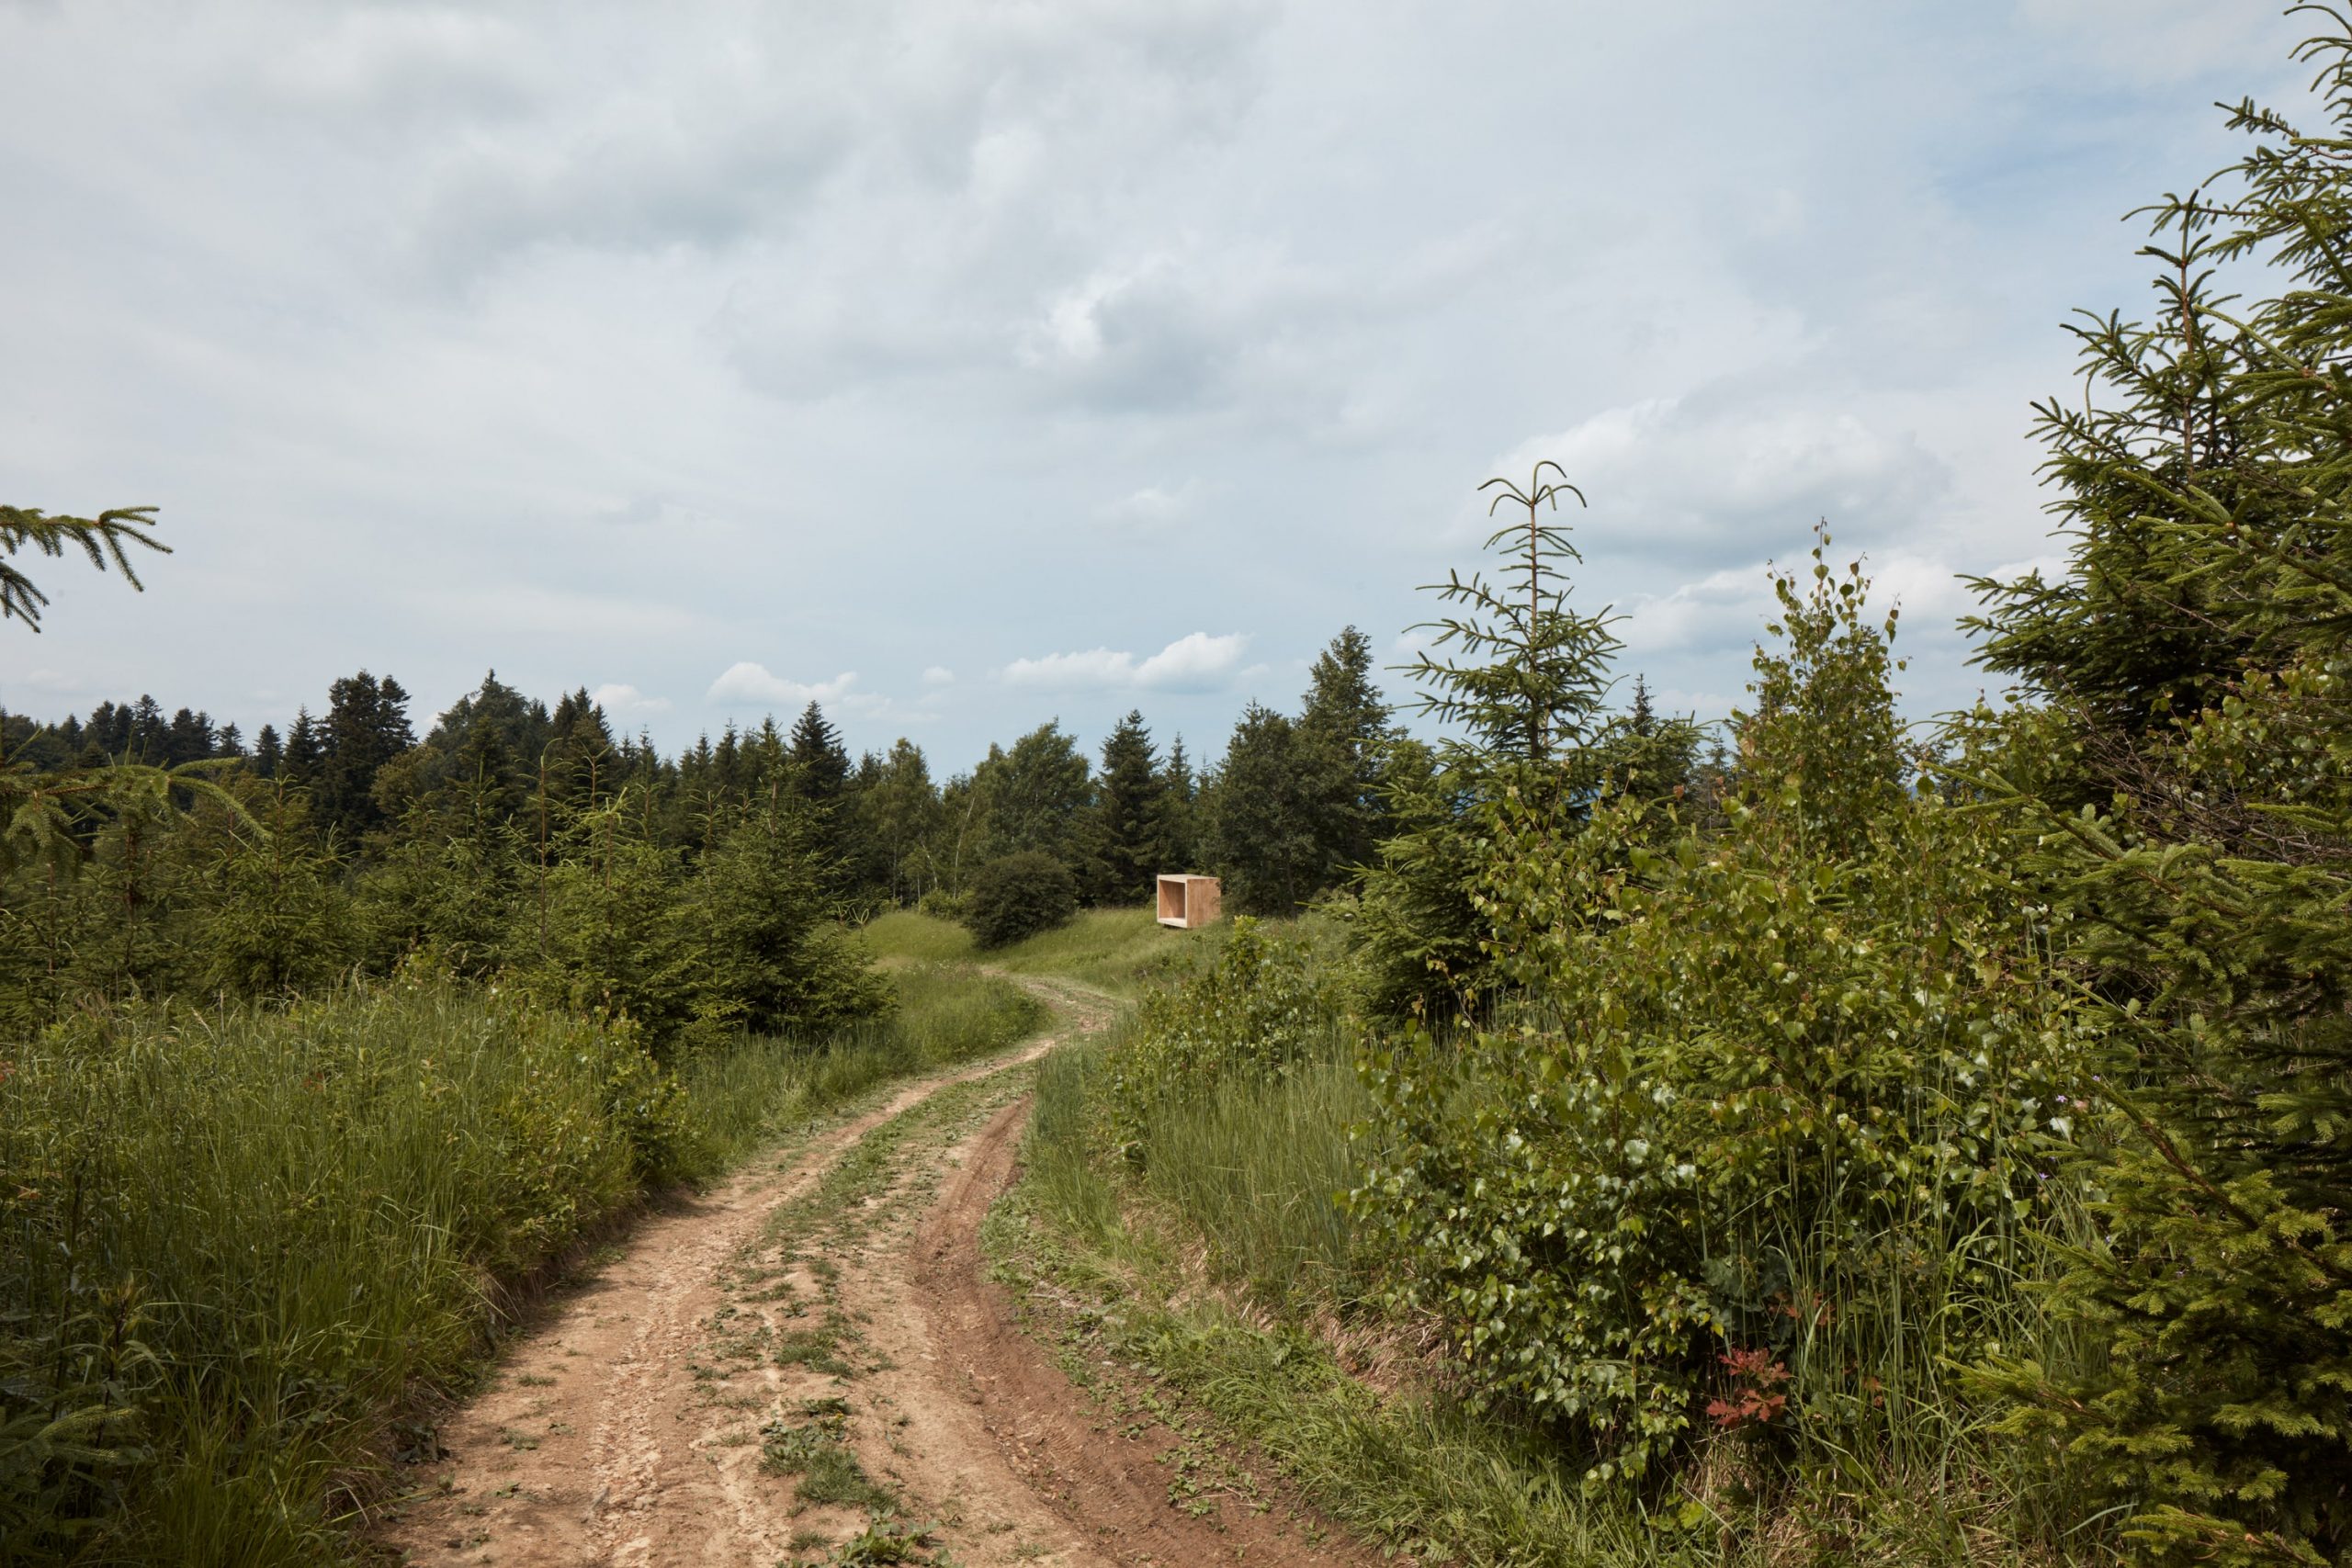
{"points": [[1189, 902]]}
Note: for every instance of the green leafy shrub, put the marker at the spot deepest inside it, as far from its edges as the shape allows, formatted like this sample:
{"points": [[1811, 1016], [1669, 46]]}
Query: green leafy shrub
{"points": [[1018, 895], [1252, 1013], [1789, 1088], [942, 904]]}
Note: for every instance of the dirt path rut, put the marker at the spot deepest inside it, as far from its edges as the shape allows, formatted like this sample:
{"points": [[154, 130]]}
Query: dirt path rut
{"points": [[809, 1364]]}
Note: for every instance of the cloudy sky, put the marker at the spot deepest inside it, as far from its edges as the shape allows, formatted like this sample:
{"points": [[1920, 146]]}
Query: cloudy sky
{"points": [[964, 365]]}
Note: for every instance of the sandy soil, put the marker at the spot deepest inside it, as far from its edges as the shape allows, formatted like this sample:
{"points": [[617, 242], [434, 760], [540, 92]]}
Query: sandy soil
{"points": [[840, 1285]]}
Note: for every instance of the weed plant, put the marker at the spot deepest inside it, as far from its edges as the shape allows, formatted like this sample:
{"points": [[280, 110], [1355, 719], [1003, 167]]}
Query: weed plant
{"points": [[231, 1243]]}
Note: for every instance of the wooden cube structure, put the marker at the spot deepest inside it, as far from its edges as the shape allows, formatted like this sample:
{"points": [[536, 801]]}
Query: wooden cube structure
{"points": [[1187, 902]]}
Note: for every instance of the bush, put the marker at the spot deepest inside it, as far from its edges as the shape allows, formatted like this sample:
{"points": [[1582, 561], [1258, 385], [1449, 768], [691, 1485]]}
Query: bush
{"points": [[1256, 1011], [1758, 1141], [942, 904], [1020, 896]]}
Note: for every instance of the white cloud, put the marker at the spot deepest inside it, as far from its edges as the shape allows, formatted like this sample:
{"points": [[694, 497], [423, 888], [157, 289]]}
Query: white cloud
{"points": [[748, 683], [619, 700], [1669, 473], [1154, 507], [939, 675], [1195, 663]]}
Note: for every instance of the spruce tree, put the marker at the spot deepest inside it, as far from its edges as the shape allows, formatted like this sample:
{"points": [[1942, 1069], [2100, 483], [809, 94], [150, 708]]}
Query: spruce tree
{"points": [[1262, 818], [580, 759], [2187, 789], [299, 766], [1175, 817], [1344, 734], [366, 725], [1525, 681], [1129, 848], [190, 738], [820, 761], [1526, 675], [150, 738]]}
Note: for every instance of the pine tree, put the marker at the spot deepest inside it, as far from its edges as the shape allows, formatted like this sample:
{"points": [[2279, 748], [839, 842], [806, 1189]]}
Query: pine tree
{"points": [[188, 739], [1175, 817], [1531, 678], [150, 739], [581, 763], [267, 913], [1528, 685], [820, 761], [366, 725], [268, 752], [520, 726], [814, 766], [299, 766]]}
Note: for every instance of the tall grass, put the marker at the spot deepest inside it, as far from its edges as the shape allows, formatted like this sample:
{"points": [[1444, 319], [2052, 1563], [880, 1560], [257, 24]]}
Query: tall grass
{"points": [[946, 1013], [231, 1243], [1253, 1171], [909, 936]]}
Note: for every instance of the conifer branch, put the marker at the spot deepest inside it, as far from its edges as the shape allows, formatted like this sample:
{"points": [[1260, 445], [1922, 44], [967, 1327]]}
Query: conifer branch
{"points": [[101, 538]]}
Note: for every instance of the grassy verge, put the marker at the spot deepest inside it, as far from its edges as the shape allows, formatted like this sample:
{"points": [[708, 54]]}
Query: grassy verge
{"points": [[231, 1243], [1220, 1275], [1112, 949]]}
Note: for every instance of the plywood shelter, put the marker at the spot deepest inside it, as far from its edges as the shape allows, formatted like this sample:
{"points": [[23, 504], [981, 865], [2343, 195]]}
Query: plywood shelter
{"points": [[1186, 902]]}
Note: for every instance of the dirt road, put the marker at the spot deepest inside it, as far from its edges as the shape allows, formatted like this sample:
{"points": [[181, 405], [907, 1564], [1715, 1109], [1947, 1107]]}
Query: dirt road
{"points": [[809, 1364]]}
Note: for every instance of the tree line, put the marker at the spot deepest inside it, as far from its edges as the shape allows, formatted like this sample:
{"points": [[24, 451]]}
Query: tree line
{"points": [[511, 830]]}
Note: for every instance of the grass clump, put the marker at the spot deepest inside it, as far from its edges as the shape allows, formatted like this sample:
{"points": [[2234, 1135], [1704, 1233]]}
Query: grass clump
{"points": [[241, 1235], [817, 1450]]}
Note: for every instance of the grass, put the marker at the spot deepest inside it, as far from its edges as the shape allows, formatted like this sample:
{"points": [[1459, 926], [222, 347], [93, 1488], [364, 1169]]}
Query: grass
{"points": [[1255, 1171], [230, 1244], [815, 1450], [905, 936], [1409, 1471], [948, 1013], [1112, 950]]}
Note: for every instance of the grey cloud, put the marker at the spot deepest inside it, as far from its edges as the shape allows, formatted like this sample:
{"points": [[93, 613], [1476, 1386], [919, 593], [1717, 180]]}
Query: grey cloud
{"points": [[602, 343]]}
